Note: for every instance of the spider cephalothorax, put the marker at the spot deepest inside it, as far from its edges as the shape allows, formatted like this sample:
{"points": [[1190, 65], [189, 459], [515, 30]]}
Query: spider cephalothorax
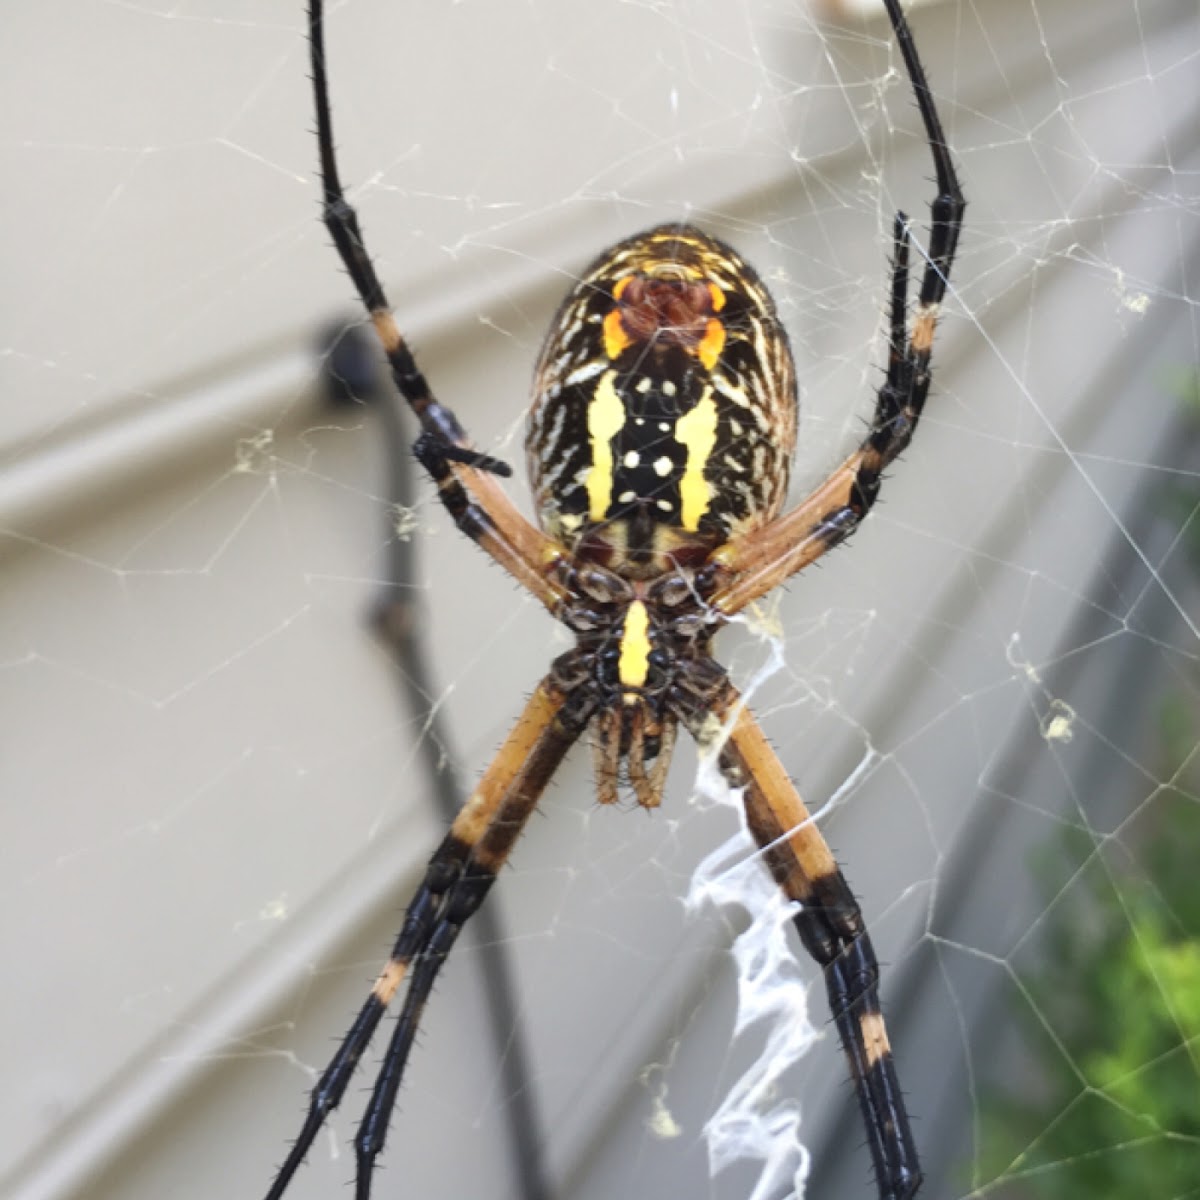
{"points": [[642, 657], [659, 445]]}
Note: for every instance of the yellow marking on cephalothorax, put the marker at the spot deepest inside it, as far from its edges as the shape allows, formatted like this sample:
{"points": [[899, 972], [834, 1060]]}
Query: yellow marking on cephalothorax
{"points": [[606, 415], [615, 337], [712, 343], [924, 323], [634, 663], [875, 1038], [718, 297], [622, 284], [697, 430], [389, 981]]}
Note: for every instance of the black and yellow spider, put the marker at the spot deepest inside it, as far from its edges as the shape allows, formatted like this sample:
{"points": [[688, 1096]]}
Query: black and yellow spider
{"points": [[659, 446]]}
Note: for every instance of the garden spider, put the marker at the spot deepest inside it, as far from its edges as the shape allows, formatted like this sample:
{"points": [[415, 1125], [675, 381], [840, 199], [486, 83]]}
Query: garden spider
{"points": [[659, 447]]}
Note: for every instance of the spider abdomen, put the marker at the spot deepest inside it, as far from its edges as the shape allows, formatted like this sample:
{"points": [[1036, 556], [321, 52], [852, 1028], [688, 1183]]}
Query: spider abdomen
{"points": [[664, 414]]}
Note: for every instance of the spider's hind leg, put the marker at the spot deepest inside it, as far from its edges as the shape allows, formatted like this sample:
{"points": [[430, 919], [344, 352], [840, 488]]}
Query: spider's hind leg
{"points": [[457, 879]]}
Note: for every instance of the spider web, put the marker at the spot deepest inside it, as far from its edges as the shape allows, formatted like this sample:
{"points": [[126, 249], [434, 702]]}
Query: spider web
{"points": [[216, 801]]}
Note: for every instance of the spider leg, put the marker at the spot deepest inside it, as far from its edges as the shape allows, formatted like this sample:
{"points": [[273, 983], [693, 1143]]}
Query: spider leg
{"points": [[830, 925], [465, 477], [949, 205], [648, 784], [456, 881], [748, 567], [605, 742]]}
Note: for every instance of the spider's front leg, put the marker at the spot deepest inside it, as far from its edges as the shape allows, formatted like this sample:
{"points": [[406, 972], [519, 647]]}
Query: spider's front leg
{"points": [[829, 922], [465, 477], [747, 568]]}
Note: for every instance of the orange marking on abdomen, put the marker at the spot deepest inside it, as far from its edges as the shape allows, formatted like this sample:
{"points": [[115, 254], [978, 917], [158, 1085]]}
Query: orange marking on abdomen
{"points": [[712, 343], [615, 337]]}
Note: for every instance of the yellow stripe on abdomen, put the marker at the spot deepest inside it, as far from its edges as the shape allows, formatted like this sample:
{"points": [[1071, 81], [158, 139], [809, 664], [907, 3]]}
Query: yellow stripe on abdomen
{"points": [[606, 416], [697, 431]]}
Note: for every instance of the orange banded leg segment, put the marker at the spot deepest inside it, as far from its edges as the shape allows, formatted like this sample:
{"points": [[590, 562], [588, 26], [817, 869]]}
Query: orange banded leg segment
{"points": [[481, 510], [457, 879], [831, 928], [749, 567]]}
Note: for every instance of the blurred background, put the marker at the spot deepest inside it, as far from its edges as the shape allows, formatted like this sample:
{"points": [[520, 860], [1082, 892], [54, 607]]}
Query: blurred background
{"points": [[217, 800]]}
